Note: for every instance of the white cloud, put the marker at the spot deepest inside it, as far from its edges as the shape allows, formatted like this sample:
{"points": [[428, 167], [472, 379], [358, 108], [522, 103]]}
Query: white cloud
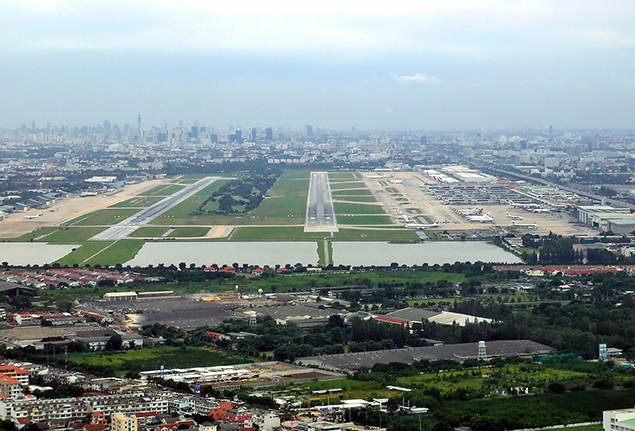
{"points": [[417, 78]]}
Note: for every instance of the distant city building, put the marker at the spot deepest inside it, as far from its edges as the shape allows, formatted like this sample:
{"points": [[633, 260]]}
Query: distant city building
{"points": [[269, 133]]}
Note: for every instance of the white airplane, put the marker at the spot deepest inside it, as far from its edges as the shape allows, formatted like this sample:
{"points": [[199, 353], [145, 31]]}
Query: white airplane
{"points": [[525, 225], [514, 217], [523, 206], [469, 212], [481, 218], [54, 209], [541, 210], [33, 216], [419, 226]]}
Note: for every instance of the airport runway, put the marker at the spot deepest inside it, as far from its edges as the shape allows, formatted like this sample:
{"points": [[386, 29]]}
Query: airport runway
{"points": [[129, 225], [320, 215]]}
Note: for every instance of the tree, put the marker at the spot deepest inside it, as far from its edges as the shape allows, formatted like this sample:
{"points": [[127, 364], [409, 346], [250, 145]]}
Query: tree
{"points": [[114, 343]]}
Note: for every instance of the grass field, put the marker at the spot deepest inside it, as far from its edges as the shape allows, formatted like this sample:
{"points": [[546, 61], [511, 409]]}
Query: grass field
{"points": [[149, 232], [103, 217], [35, 234], [286, 198], [188, 232], [484, 378], [72, 235], [352, 208], [285, 205], [153, 358], [351, 192], [291, 233], [364, 219], [597, 427], [375, 235], [80, 254], [138, 202], [335, 185], [192, 177], [180, 214], [119, 252], [165, 190], [341, 176], [353, 199]]}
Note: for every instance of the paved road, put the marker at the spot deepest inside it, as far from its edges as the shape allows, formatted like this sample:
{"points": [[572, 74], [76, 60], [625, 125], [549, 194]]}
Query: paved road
{"points": [[320, 216], [129, 225]]}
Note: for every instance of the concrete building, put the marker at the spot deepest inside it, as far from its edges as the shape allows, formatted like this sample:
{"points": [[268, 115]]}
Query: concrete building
{"points": [[68, 408], [621, 226], [267, 421], [124, 422], [619, 420], [17, 373], [10, 388], [595, 215], [120, 296]]}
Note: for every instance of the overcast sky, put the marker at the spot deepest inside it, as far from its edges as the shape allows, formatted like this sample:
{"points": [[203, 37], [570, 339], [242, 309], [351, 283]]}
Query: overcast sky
{"points": [[471, 64]]}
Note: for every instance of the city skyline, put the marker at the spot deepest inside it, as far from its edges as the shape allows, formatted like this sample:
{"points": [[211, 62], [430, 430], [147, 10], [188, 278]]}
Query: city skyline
{"points": [[460, 65]]}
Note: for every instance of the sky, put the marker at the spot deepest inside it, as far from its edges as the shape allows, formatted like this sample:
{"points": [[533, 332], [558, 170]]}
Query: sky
{"points": [[400, 65]]}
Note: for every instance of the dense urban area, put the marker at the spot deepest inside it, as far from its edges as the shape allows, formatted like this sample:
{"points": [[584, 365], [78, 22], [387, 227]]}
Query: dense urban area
{"points": [[164, 278]]}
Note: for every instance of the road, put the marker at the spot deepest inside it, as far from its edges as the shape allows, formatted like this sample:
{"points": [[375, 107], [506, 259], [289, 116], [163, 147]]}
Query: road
{"points": [[123, 229], [320, 215]]}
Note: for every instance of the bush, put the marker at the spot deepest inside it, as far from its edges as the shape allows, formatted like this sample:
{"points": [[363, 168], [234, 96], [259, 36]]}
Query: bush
{"points": [[556, 388]]}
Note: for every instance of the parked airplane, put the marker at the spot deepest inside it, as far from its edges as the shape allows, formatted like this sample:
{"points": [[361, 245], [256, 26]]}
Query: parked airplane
{"points": [[541, 210], [523, 206], [525, 225], [514, 217], [54, 209], [468, 212], [419, 226], [33, 216], [481, 218]]}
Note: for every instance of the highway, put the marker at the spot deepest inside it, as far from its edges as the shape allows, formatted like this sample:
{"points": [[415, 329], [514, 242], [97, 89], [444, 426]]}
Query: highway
{"points": [[320, 216], [123, 229]]}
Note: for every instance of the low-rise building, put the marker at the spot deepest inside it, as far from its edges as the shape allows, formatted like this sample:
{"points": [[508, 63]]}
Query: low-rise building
{"points": [[619, 420], [45, 410], [124, 422]]}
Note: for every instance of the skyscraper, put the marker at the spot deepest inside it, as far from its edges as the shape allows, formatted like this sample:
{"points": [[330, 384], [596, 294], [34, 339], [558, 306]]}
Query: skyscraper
{"points": [[309, 130], [268, 133], [254, 134]]}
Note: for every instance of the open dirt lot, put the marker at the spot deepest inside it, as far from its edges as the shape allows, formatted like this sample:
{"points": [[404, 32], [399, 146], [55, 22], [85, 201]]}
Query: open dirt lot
{"points": [[16, 224], [402, 193]]}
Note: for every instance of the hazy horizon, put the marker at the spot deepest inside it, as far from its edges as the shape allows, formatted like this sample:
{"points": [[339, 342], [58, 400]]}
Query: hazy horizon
{"points": [[453, 65]]}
